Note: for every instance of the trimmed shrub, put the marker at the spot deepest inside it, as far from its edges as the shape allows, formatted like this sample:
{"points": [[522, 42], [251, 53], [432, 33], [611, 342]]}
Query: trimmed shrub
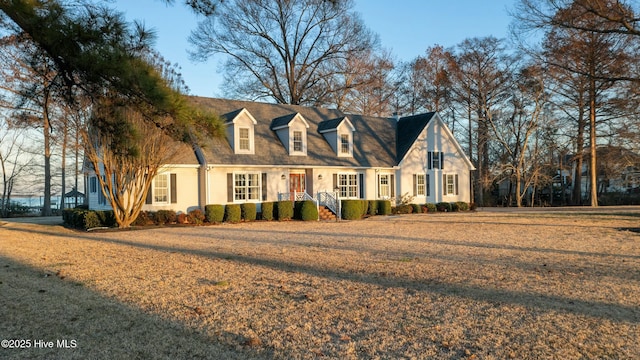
{"points": [[214, 213], [107, 218], [431, 207], [267, 211], [90, 220], [402, 209], [144, 218], [417, 209], [384, 207], [308, 211], [248, 211], [352, 209], [443, 207], [232, 213], [196, 216], [462, 206], [473, 206], [165, 217], [284, 210], [373, 207], [454, 207]]}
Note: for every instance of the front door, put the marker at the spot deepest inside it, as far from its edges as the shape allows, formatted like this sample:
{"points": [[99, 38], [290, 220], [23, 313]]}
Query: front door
{"points": [[297, 183]]}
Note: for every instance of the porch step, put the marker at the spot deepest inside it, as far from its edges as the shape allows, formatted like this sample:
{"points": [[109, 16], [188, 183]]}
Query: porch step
{"points": [[326, 214]]}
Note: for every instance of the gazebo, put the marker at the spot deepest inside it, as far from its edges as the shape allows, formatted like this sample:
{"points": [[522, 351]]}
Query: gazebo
{"points": [[70, 198]]}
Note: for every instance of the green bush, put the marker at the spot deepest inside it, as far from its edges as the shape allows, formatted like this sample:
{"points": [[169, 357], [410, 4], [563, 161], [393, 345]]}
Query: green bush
{"points": [[107, 218], [373, 207], [402, 209], [165, 217], [308, 211], [196, 216], [463, 206], [431, 207], [352, 209], [417, 209], [443, 207], [454, 207], [384, 207], [91, 220], [267, 211], [232, 213], [144, 218], [214, 213], [248, 211], [284, 210]]}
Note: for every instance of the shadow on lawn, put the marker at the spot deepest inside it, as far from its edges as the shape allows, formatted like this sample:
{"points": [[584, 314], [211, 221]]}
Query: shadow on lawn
{"points": [[35, 305], [614, 312]]}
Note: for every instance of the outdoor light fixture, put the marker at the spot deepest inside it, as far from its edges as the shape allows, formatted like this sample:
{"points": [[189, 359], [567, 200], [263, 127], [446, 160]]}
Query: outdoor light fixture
{"points": [[319, 176], [283, 177]]}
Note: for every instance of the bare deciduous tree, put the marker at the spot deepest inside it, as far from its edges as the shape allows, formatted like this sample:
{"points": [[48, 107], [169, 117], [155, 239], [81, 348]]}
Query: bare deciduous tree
{"points": [[282, 50]]}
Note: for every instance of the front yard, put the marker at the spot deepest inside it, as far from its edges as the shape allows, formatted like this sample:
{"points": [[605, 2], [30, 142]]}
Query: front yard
{"points": [[449, 286]]}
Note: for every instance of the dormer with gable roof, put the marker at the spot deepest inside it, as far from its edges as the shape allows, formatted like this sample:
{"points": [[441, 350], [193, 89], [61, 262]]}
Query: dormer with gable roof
{"points": [[241, 131], [339, 134], [292, 132]]}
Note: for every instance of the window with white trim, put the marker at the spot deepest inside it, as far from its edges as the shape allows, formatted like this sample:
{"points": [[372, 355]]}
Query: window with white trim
{"points": [[420, 185], [384, 186], [450, 184], [345, 144], [244, 140], [246, 186], [348, 184], [161, 188], [297, 141], [435, 160]]}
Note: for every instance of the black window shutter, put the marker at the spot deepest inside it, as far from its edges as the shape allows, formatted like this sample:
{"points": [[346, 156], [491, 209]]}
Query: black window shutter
{"points": [[441, 160], [456, 183], [229, 187], [415, 185], [361, 185], [335, 181], [264, 186], [427, 184], [174, 188], [393, 186], [429, 155], [378, 186], [444, 184]]}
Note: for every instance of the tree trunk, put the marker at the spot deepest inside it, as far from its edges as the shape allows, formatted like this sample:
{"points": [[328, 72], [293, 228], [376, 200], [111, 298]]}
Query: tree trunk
{"points": [[46, 206]]}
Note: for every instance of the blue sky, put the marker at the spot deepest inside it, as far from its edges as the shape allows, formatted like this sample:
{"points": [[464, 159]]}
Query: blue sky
{"points": [[406, 27]]}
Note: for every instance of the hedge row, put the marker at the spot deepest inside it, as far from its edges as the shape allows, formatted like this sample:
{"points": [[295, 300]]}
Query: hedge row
{"points": [[88, 219], [357, 209], [431, 208]]}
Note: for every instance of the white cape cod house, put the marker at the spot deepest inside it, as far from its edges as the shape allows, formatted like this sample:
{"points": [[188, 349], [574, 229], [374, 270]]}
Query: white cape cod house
{"points": [[273, 150]]}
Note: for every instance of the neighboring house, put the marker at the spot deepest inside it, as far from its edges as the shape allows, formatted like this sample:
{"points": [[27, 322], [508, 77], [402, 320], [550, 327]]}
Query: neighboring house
{"points": [[271, 151], [618, 170]]}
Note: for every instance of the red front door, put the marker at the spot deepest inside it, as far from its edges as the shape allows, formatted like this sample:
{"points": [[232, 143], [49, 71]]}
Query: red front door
{"points": [[297, 183]]}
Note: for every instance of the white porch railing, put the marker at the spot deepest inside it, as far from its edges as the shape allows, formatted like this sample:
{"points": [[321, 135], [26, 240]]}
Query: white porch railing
{"points": [[299, 196], [328, 199], [331, 201]]}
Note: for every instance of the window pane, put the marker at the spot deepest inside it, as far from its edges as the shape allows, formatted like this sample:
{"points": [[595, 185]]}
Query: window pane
{"points": [[160, 188], [420, 184], [297, 141], [344, 143], [244, 139]]}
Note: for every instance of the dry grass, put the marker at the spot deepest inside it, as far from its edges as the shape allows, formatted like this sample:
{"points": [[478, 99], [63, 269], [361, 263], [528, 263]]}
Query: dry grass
{"points": [[448, 286]]}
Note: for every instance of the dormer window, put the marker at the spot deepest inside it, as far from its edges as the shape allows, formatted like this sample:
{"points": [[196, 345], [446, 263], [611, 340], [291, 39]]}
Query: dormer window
{"points": [[240, 131], [292, 132], [339, 134]]}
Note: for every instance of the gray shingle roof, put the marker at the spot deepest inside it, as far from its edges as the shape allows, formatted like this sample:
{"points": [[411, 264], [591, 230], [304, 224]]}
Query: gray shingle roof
{"points": [[374, 141], [408, 130]]}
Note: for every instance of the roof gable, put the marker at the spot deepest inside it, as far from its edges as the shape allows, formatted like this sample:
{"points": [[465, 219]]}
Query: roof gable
{"points": [[334, 124], [285, 121], [409, 128], [233, 116]]}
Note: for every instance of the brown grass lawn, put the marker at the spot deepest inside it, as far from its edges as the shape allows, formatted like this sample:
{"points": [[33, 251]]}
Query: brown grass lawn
{"points": [[485, 285]]}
